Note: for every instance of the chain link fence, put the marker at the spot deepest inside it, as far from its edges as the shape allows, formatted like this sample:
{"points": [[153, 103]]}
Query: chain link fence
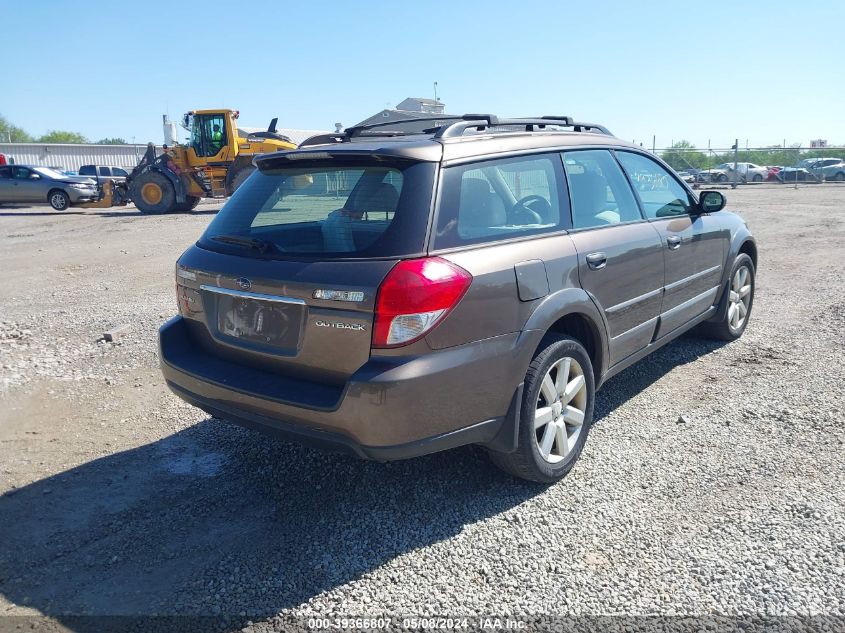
{"points": [[756, 165]]}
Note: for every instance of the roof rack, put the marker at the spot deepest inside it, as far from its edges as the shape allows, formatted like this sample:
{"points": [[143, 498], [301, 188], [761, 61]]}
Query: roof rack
{"points": [[483, 122], [455, 126]]}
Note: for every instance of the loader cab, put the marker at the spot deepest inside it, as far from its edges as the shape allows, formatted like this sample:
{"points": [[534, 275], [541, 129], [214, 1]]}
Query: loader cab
{"points": [[211, 134]]}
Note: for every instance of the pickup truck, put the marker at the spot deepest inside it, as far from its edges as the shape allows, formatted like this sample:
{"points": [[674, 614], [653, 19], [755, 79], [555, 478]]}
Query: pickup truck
{"points": [[118, 174]]}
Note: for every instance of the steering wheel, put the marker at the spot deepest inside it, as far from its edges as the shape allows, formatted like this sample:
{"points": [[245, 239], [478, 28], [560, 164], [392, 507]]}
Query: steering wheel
{"points": [[528, 213]]}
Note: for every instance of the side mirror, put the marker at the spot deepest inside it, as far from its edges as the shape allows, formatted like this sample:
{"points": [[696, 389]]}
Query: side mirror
{"points": [[34, 177], [710, 201]]}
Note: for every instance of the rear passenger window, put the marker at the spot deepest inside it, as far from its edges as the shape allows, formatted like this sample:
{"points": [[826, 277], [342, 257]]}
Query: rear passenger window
{"points": [[498, 199], [105, 171], [5, 172], [598, 190], [662, 196], [117, 171]]}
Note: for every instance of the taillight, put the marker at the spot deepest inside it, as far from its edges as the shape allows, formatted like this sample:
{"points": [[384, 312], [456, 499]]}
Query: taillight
{"points": [[414, 297]]}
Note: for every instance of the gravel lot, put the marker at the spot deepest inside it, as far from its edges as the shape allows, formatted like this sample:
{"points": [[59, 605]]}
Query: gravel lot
{"points": [[120, 499]]}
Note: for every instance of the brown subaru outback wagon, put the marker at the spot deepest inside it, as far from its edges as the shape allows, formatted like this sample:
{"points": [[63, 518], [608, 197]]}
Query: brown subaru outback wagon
{"points": [[405, 288]]}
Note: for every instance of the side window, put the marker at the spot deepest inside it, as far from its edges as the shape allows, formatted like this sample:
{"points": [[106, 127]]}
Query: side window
{"points": [[86, 170], [598, 190], [5, 173], [661, 195], [105, 171], [498, 199], [20, 173], [117, 171]]}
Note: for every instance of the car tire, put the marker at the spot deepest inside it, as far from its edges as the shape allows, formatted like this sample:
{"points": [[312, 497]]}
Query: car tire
{"points": [[153, 193], [722, 178], [556, 413], [58, 199], [758, 178], [739, 304], [839, 177]]}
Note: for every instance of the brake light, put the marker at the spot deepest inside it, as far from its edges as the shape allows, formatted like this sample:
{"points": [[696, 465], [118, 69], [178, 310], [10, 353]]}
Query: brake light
{"points": [[414, 297]]}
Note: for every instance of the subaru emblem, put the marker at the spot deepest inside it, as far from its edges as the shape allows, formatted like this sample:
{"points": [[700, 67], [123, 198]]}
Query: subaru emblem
{"points": [[244, 283]]}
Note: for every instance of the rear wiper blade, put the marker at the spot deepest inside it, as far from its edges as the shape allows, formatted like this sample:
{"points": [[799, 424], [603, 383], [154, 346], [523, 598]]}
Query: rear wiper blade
{"points": [[262, 246]]}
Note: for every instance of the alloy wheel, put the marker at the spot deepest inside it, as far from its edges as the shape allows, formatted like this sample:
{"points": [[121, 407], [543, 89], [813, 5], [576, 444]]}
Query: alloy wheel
{"points": [[740, 297], [559, 412]]}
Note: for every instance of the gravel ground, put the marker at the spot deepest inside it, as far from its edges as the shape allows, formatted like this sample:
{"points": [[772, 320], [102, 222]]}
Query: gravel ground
{"points": [[713, 481]]}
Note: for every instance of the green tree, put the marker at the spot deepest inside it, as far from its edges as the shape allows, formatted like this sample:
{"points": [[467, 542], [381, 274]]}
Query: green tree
{"points": [[62, 136], [112, 141], [683, 155], [11, 133]]}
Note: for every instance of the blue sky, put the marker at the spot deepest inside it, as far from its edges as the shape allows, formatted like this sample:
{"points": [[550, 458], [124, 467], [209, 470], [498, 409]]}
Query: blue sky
{"points": [[762, 70]]}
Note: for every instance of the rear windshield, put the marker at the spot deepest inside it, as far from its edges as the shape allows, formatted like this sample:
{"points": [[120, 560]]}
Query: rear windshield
{"points": [[327, 210]]}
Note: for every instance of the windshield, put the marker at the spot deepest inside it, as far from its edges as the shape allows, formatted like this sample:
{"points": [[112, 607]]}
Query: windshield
{"points": [[50, 173], [327, 210]]}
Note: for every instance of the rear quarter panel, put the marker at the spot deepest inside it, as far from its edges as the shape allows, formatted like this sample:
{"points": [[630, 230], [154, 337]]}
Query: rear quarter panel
{"points": [[492, 305]]}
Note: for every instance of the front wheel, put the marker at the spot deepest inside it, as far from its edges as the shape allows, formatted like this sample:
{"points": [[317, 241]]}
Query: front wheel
{"points": [[152, 192], [740, 300], [758, 178], [722, 178], [839, 177], [59, 200], [555, 415]]}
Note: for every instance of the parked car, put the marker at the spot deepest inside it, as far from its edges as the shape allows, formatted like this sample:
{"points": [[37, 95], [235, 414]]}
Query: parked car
{"points": [[714, 174], [797, 174], [39, 185], [748, 172], [118, 174], [688, 176], [829, 169], [772, 174], [449, 288]]}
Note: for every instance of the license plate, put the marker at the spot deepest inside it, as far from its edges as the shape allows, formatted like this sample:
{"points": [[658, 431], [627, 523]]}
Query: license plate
{"points": [[257, 321]]}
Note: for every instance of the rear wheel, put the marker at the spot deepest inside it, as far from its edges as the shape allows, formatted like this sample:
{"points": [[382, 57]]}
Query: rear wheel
{"points": [[236, 177], [722, 178], [153, 193], [59, 200], [839, 177], [556, 413], [758, 178], [189, 205]]}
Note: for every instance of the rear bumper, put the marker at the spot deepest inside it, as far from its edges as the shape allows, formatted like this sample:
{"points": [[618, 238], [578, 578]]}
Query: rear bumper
{"points": [[391, 408]]}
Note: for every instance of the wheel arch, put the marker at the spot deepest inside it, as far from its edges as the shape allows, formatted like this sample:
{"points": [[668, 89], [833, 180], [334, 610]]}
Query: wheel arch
{"points": [[573, 313]]}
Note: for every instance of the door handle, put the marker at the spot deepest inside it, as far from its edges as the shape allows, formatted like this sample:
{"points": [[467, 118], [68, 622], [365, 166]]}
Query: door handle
{"points": [[597, 261], [673, 242]]}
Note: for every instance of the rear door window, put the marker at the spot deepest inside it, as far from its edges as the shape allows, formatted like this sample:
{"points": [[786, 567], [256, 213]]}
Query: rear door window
{"points": [[328, 210], [117, 171], [499, 199]]}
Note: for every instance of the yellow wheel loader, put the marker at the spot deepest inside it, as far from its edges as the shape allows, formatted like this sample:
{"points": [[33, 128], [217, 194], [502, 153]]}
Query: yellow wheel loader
{"points": [[213, 164]]}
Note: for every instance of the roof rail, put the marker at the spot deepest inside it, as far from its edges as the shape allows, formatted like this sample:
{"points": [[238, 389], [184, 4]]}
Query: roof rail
{"points": [[358, 130], [484, 121]]}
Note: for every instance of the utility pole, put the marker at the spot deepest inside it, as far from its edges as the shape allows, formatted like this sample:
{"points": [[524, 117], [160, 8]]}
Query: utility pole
{"points": [[653, 143], [435, 92], [736, 160]]}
